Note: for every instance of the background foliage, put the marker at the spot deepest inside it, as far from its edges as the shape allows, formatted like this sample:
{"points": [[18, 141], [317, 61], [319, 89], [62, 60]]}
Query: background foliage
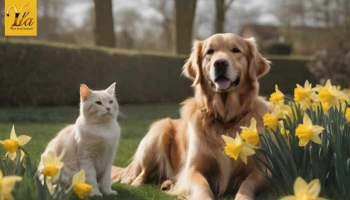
{"points": [[38, 73]]}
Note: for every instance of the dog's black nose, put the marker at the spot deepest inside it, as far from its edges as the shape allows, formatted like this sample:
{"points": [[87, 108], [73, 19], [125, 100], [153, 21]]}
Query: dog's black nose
{"points": [[221, 65]]}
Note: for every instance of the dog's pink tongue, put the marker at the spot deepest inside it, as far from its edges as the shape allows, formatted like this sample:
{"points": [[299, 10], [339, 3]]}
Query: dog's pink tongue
{"points": [[222, 84]]}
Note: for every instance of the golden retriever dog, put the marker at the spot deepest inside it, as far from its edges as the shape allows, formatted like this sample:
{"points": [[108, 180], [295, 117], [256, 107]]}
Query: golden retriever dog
{"points": [[187, 154]]}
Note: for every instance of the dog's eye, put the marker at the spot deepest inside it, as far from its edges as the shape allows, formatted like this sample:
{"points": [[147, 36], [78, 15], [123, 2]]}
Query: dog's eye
{"points": [[210, 51], [110, 102], [235, 50], [98, 102]]}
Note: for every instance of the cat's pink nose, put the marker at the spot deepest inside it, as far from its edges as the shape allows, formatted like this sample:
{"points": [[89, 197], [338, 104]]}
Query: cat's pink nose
{"points": [[108, 109]]}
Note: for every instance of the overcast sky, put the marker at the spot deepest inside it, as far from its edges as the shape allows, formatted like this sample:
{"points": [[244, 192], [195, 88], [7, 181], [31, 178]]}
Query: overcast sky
{"points": [[77, 11]]}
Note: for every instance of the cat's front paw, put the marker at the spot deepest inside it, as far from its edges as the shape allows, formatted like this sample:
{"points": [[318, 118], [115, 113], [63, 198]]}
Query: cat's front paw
{"points": [[110, 192], [95, 193]]}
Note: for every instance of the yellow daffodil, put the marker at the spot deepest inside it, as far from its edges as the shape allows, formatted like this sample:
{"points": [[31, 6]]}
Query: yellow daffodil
{"points": [[237, 148], [307, 131], [347, 95], [347, 114], [329, 95], [283, 131], [81, 189], [52, 164], [304, 191], [12, 144], [304, 95], [315, 106], [287, 110], [277, 97], [271, 119], [7, 184], [250, 134]]}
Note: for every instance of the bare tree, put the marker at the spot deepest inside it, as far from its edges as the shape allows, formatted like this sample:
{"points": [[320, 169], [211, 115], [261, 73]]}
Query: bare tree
{"points": [[185, 12], [104, 27], [2, 20], [52, 24], [325, 13], [221, 8], [168, 23]]}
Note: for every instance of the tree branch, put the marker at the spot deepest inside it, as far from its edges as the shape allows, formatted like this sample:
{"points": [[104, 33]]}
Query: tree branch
{"points": [[227, 6]]}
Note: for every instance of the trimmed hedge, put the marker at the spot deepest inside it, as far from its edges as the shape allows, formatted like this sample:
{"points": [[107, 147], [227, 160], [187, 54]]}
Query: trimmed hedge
{"points": [[286, 72], [47, 74], [278, 48]]}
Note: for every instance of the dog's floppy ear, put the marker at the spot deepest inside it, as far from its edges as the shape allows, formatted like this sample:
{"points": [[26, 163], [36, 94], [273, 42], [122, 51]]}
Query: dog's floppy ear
{"points": [[191, 69], [258, 65]]}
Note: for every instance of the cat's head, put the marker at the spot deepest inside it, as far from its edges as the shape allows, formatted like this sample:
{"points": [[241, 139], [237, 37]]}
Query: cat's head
{"points": [[98, 106]]}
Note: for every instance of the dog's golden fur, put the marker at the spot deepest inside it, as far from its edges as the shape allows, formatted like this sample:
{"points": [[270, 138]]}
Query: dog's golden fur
{"points": [[186, 154]]}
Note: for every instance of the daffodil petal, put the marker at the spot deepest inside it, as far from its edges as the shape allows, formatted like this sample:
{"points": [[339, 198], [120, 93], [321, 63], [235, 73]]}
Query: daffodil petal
{"points": [[61, 155], [227, 139], [289, 198], [247, 151], [2, 141], [59, 165], [8, 182], [320, 198], [79, 177], [253, 124], [45, 161], [7, 195], [13, 133], [243, 157], [300, 186], [314, 188], [303, 142], [49, 158], [317, 129], [307, 84], [23, 139], [50, 186], [12, 156], [22, 154], [316, 139], [247, 145], [307, 121]]}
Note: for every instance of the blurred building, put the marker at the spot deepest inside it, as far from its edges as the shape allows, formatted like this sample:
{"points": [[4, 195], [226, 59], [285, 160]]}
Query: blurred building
{"points": [[303, 40]]}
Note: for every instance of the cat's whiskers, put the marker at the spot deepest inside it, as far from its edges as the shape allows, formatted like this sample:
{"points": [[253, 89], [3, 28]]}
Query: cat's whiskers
{"points": [[121, 115]]}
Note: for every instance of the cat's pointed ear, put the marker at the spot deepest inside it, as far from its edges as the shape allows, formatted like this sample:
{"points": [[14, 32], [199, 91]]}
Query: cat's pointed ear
{"points": [[111, 89], [84, 92]]}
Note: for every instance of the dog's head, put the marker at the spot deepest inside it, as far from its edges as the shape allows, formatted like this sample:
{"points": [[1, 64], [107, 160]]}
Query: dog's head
{"points": [[225, 62]]}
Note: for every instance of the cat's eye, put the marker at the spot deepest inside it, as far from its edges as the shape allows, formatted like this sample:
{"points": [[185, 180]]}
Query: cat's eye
{"points": [[110, 102], [98, 102]]}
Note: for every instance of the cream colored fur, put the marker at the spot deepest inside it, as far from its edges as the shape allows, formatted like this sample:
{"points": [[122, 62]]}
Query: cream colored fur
{"points": [[91, 143]]}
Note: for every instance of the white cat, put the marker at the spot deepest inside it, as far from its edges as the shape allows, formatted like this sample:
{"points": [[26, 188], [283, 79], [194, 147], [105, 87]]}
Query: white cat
{"points": [[91, 143]]}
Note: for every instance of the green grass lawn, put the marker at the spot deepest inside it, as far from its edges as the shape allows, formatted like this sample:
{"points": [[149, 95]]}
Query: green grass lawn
{"points": [[42, 124]]}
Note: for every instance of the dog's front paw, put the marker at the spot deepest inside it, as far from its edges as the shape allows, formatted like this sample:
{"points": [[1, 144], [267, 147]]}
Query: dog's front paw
{"points": [[243, 197], [167, 185]]}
